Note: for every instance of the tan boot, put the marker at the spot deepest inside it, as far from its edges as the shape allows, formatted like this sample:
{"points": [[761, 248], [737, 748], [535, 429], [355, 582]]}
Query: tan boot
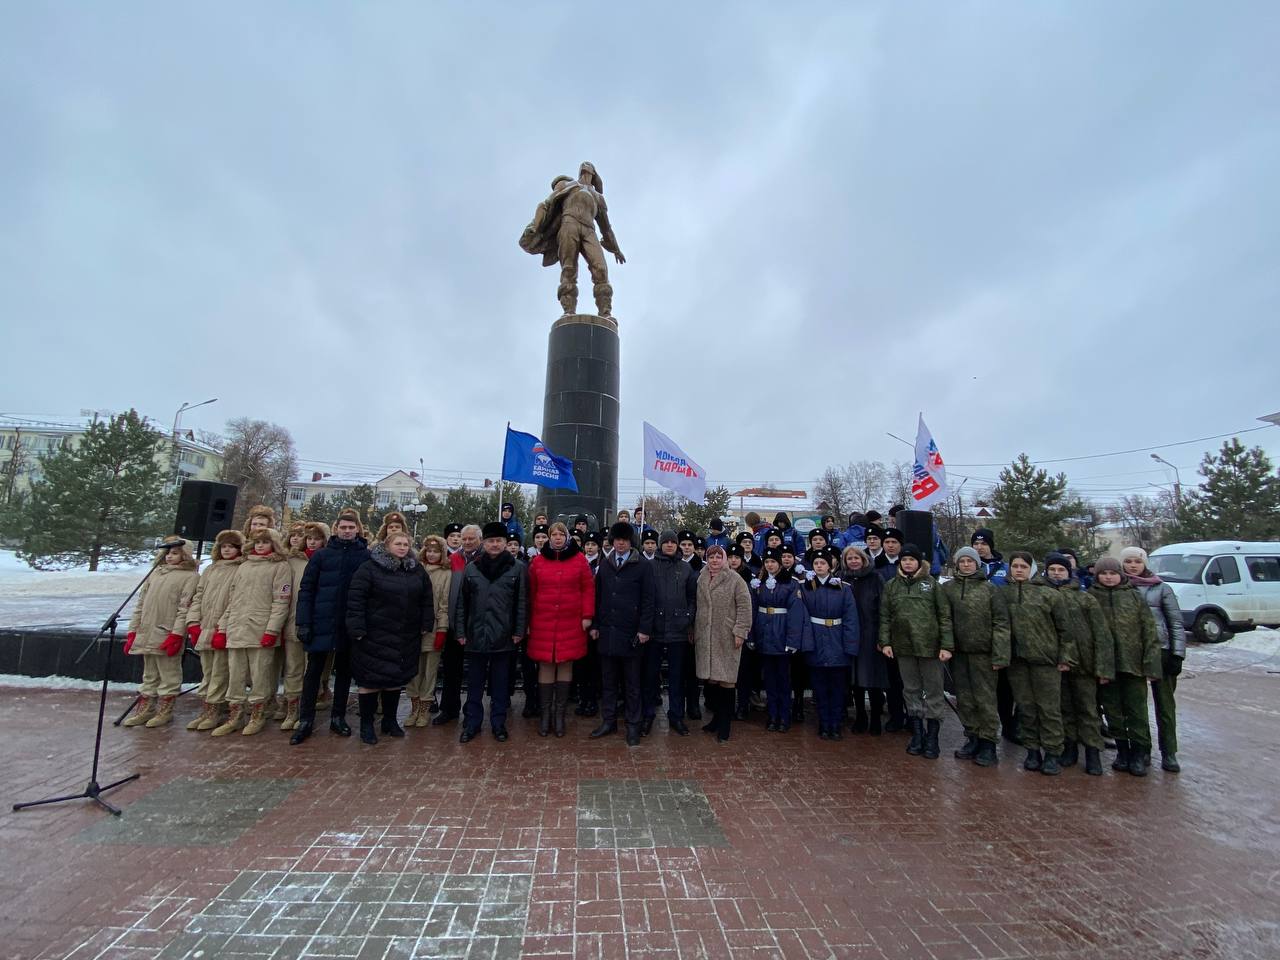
{"points": [[144, 712], [163, 716], [277, 708], [213, 720], [291, 716], [257, 720], [205, 709], [235, 720], [415, 706]]}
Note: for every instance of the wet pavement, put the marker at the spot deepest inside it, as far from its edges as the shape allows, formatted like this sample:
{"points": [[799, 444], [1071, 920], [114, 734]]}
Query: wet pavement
{"points": [[768, 846]]}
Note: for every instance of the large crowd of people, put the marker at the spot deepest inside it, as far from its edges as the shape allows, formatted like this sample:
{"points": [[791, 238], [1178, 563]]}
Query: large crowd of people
{"points": [[1041, 652]]}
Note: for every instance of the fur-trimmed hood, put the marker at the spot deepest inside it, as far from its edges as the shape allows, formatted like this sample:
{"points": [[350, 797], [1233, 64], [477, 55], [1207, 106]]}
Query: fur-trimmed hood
{"points": [[384, 558], [354, 516], [188, 559], [279, 553], [571, 549]]}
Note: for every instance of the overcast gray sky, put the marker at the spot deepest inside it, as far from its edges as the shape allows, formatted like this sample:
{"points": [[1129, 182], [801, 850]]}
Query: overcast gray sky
{"points": [[1051, 227]]}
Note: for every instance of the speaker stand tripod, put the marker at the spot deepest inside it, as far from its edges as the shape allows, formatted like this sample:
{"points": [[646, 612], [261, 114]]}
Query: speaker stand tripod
{"points": [[94, 790]]}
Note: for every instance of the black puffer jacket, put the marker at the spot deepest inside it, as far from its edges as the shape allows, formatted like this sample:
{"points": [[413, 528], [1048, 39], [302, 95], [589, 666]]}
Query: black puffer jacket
{"points": [[389, 608], [322, 594], [492, 605], [675, 603]]}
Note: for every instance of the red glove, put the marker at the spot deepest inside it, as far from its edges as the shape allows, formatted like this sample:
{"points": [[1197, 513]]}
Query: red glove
{"points": [[439, 644], [219, 640], [268, 639], [128, 640], [172, 645], [193, 633]]}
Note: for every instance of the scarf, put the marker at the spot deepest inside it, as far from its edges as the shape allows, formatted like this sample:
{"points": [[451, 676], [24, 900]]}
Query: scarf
{"points": [[1146, 579]]}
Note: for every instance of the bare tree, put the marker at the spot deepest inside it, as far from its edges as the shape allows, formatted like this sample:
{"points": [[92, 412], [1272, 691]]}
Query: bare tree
{"points": [[1143, 519], [260, 459], [898, 484], [866, 481], [832, 489]]}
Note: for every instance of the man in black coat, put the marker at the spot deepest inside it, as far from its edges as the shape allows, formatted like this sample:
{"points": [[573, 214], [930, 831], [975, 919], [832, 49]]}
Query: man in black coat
{"points": [[489, 620], [675, 604], [623, 623], [321, 622]]}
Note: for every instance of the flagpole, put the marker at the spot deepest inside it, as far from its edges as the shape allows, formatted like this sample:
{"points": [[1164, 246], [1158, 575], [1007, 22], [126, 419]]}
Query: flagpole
{"points": [[503, 472]]}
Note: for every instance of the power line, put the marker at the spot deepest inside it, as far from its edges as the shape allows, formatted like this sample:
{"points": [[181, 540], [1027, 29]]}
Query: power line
{"points": [[1121, 453]]}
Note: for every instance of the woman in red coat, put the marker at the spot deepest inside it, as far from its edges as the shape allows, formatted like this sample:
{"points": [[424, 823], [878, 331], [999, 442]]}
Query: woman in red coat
{"points": [[562, 603]]}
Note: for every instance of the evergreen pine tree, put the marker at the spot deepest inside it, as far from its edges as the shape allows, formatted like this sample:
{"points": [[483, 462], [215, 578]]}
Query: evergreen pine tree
{"points": [[1032, 509], [101, 500], [1239, 498], [697, 517]]}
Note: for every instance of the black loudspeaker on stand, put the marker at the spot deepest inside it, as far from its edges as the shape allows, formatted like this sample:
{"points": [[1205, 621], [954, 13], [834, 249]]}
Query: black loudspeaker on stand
{"points": [[94, 790], [917, 528]]}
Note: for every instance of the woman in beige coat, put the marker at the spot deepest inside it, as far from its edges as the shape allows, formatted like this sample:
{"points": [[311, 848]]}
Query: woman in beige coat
{"points": [[422, 689], [313, 537], [251, 626], [202, 623], [155, 632], [721, 627]]}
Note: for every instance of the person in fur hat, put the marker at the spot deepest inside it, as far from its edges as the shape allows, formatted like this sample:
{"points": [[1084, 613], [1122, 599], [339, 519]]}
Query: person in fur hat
{"points": [[277, 701], [393, 522], [260, 517], [314, 536], [155, 632], [422, 688], [207, 606], [250, 627]]}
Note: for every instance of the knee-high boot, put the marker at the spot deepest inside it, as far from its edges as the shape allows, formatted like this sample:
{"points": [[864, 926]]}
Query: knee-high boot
{"points": [[877, 708], [715, 706], [546, 703], [562, 703], [725, 716], [368, 706]]}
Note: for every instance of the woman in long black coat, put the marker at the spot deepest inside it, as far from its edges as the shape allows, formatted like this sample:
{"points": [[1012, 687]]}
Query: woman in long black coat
{"points": [[870, 669], [389, 611]]}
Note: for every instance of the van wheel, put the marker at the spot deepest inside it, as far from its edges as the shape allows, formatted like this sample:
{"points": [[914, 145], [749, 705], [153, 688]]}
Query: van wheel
{"points": [[1211, 628]]}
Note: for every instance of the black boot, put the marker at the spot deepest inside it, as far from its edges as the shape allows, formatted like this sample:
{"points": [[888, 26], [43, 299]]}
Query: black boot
{"points": [[1139, 760], [633, 734], [368, 704], [1070, 754], [1169, 763], [931, 739], [591, 708], [985, 756], [916, 746], [562, 704], [797, 707], [726, 717], [532, 703], [338, 724], [1092, 762], [713, 704], [1121, 762], [877, 708], [300, 732], [969, 750], [1033, 762], [860, 719], [646, 726], [546, 702], [1050, 767], [390, 704]]}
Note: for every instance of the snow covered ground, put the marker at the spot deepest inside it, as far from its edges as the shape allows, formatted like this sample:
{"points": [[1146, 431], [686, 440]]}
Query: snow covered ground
{"points": [[63, 598]]}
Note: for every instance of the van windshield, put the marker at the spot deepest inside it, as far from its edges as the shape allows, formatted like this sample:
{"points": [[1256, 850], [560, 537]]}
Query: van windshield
{"points": [[1179, 567]]}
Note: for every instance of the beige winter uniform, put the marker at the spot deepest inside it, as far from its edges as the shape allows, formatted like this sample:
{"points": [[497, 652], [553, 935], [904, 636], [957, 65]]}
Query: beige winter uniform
{"points": [[259, 604], [724, 612], [207, 607], [295, 657], [423, 686], [162, 609]]}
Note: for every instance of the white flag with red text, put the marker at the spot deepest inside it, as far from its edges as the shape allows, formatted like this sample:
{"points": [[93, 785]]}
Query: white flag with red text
{"points": [[929, 476]]}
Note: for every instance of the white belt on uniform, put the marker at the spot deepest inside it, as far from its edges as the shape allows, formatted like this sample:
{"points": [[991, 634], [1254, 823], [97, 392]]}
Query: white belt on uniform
{"points": [[826, 623], [773, 610]]}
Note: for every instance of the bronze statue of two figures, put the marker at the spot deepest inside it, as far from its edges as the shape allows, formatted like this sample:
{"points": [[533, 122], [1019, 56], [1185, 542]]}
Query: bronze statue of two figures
{"points": [[564, 228]]}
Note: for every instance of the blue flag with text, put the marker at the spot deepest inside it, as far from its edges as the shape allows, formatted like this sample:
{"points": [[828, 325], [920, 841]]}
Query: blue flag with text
{"points": [[527, 460]]}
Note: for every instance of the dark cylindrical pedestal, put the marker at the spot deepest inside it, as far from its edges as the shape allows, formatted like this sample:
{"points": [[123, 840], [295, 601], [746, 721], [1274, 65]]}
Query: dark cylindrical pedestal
{"points": [[580, 416]]}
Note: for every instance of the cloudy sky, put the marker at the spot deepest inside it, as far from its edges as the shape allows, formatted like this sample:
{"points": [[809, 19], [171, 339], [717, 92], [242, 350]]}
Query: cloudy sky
{"points": [[1051, 227]]}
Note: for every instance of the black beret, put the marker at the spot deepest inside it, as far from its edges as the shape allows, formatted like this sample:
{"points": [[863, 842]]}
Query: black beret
{"points": [[452, 528], [593, 536], [541, 528], [649, 535], [893, 533], [874, 531], [684, 535], [817, 532], [699, 542], [580, 518], [773, 553], [511, 537], [785, 548], [744, 536], [736, 551]]}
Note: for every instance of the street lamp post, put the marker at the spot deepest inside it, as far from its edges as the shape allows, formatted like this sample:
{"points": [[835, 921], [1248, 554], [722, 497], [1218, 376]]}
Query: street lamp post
{"points": [[416, 509], [1177, 477], [173, 437]]}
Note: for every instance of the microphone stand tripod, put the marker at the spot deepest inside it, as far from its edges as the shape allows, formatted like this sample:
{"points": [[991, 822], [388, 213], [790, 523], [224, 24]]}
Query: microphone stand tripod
{"points": [[94, 790]]}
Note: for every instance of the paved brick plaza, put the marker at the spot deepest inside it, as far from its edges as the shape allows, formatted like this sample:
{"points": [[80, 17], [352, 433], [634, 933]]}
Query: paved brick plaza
{"points": [[769, 846]]}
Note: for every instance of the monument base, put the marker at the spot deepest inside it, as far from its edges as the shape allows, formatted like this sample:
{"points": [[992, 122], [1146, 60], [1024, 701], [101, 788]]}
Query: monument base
{"points": [[580, 416]]}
